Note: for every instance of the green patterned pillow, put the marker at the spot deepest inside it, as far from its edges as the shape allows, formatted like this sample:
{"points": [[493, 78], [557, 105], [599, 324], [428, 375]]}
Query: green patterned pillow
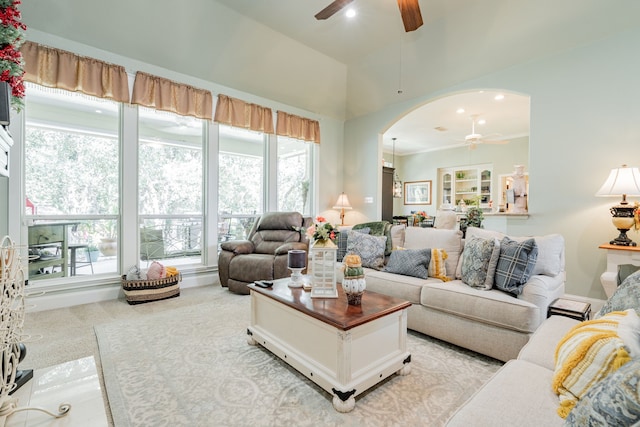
{"points": [[369, 248], [409, 262], [515, 264], [479, 260]]}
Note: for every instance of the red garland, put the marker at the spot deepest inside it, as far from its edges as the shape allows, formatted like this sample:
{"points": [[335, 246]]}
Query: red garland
{"points": [[11, 16]]}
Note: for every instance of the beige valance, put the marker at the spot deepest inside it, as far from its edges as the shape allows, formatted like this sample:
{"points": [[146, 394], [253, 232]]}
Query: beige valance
{"points": [[298, 127], [57, 68], [162, 94], [238, 113]]}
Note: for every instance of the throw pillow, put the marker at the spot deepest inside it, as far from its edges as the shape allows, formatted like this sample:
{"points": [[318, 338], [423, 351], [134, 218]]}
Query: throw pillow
{"points": [[479, 260], [515, 264], [378, 228], [369, 248], [627, 295], [550, 260], [626, 270], [409, 262], [437, 264], [341, 240], [448, 240], [589, 352], [612, 401]]}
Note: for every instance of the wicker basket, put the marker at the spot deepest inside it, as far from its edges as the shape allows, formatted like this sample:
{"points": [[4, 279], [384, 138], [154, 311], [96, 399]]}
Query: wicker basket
{"points": [[141, 291]]}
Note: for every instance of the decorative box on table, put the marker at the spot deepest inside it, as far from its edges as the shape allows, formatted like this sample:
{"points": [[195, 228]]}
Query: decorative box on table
{"points": [[141, 291], [323, 269]]}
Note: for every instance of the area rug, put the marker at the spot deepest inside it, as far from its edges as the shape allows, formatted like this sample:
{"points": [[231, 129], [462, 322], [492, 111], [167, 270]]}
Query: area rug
{"points": [[192, 366]]}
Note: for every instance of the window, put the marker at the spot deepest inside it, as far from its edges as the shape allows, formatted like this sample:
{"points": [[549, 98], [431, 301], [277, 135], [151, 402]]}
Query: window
{"points": [[241, 194], [170, 187], [294, 175], [71, 181]]}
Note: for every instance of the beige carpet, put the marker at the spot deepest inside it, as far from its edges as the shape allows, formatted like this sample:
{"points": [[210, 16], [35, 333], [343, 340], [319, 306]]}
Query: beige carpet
{"points": [[192, 366]]}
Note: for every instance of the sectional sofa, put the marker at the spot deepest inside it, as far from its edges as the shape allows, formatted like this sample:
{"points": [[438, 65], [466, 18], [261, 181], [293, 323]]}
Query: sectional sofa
{"points": [[489, 321], [595, 365]]}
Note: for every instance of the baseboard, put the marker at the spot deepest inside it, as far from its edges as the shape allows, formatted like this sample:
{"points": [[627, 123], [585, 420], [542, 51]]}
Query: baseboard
{"points": [[42, 299]]}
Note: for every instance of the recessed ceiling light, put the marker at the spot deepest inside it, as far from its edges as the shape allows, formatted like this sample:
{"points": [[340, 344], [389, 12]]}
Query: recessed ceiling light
{"points": [[499, 97], [460, 110], [351, 12], [482, 121]]}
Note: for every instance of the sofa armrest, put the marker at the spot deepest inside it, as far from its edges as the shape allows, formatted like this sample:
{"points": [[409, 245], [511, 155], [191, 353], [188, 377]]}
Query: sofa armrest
{"points": [[238, 246], [542, 290], [285, 248]]}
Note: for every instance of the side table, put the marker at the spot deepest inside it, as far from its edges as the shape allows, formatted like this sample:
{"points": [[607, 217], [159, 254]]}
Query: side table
{"points": [[570, 308], [617, 256]]}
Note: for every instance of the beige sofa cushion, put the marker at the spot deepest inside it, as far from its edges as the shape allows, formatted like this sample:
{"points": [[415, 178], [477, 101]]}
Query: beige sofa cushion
{"points": [[396, 285], [541, 347], [493, 307], [519, 394], [432, 238]]}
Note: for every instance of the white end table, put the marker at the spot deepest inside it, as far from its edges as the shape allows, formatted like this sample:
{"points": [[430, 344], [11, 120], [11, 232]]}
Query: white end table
{"points": [[617, 256]]}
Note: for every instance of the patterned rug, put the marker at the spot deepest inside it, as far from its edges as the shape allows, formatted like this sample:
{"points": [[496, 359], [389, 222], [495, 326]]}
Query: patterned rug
{"points": [[192, 366]]}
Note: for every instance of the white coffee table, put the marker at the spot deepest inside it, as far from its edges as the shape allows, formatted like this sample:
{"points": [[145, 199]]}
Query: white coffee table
{"points": [[342, 348]]}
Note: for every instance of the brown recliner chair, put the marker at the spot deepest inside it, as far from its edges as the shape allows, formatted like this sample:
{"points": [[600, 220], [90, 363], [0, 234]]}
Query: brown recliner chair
{"points": [[263, 256]]}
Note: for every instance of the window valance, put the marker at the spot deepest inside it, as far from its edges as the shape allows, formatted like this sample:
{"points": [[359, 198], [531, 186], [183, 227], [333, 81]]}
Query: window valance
{"points": [[298, 127], [235, 112], [162, 94], [57, 68]]}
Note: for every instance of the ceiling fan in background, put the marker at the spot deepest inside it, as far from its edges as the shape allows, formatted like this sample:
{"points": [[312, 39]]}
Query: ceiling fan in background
{"points": [[409, 10], [473, 139]]}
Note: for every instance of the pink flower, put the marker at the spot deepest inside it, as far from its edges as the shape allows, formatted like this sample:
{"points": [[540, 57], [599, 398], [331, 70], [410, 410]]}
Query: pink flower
{"points": [[321, 219], [310, 231]]}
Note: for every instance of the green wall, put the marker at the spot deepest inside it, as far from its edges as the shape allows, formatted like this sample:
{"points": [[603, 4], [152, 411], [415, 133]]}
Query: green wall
{"points": [[585, 120]]}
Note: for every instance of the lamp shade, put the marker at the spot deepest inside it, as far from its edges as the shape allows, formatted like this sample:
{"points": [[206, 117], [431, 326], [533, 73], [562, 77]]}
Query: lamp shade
{"points": [[343, 202], [622, 181]]}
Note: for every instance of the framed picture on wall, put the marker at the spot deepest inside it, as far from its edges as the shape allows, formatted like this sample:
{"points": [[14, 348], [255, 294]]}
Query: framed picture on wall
{"points": [[417, 193]]}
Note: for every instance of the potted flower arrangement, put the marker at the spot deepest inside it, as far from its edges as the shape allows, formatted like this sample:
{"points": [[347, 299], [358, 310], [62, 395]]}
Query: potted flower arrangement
{"points": [[322, 232], [11, 38]]}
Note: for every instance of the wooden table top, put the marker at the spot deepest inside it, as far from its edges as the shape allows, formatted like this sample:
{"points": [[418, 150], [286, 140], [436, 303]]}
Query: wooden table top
{"points": [[333, 311], [619, 247]]}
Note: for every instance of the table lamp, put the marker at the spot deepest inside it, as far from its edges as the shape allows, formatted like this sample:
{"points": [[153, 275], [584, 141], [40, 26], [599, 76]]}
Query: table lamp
{"points": [[623, 181], [342, 204]]}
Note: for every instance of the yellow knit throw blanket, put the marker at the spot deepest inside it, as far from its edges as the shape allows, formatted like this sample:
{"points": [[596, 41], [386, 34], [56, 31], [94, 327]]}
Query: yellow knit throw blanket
{"points": [[589, 352]]}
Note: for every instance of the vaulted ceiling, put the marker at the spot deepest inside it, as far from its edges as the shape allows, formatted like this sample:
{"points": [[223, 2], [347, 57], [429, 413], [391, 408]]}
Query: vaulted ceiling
{"points": [[339, 67]]}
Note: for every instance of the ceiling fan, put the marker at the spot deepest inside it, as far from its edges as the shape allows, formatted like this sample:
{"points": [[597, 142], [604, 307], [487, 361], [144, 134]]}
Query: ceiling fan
{"points": [[409, 10], [473, 139]]}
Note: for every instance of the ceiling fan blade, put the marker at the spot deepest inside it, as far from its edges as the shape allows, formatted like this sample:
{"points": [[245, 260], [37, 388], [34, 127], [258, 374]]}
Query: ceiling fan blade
{"points": [[495, 141], [333, 8], [411, 16]]}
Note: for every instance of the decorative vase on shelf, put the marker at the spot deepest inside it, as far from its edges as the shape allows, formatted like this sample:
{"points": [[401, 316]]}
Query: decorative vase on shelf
{"points": [[354, 282]]}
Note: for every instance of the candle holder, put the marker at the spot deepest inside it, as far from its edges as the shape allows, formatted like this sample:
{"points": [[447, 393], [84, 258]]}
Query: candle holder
{"points": [[296, 262]]}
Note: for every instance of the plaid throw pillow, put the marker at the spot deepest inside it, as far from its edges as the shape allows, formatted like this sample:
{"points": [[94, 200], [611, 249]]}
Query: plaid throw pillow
{"points": [[515, 264]]}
